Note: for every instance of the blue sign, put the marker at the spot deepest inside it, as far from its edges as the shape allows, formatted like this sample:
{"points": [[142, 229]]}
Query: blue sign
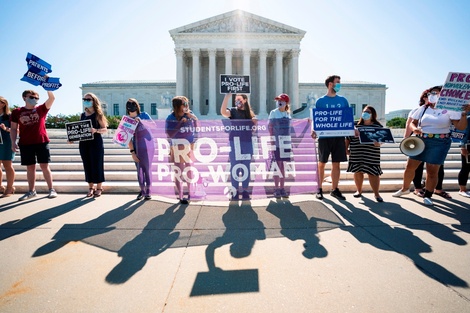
{"points": [[37, 73], [337, 122]]}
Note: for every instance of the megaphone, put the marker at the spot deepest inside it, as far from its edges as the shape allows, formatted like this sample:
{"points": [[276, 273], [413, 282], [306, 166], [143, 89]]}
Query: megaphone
{"points": [[412, 146]]}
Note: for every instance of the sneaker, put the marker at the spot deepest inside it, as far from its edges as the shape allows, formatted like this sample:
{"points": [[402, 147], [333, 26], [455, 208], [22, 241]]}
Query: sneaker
{"points": [[245, 195], [337, 194], [427, 201], [28, 195], [235, 196], [148, 197], [140, 196], [465, 194], [400, 193], [52, 193], [319, 194], [284, 193], [277, 194]]}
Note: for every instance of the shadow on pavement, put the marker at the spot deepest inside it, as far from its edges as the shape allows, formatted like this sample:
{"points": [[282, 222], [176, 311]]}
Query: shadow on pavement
{"points": [[367, 228]]}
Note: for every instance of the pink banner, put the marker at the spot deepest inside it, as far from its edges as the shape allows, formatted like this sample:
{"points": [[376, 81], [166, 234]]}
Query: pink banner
{"points": [[215, 159]]}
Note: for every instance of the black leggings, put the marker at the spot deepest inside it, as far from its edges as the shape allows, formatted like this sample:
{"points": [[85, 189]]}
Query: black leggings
{"points": [[464, 171]]}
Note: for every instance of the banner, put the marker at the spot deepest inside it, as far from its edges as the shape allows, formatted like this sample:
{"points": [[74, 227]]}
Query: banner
{"points": [[80, 130], [234, 84], [215, 159], [336, 122], [37, 73], [455, 93], [125, 131], [375, 134]]}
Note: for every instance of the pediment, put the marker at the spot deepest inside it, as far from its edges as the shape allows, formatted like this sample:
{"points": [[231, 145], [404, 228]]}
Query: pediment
{"points": [[237, 21]]}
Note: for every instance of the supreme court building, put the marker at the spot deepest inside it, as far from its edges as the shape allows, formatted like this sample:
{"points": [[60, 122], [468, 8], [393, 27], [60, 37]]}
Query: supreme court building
{"points": [[239, 43]]}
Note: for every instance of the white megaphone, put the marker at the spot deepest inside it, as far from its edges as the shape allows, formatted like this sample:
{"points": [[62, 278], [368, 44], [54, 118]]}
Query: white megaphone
{"points": [[412, 146]]}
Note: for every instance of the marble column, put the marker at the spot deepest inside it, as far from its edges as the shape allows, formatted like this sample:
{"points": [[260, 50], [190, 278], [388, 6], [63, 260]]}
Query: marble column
{"points": [[262, 82], [196, 78], [294, 98], [212, 82], [228, 61], [279, 67], [179, 71], [246, 62]]}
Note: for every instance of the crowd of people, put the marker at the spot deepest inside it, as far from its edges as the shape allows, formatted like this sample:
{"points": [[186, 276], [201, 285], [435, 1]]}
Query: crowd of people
{"points": [[24, 129]]}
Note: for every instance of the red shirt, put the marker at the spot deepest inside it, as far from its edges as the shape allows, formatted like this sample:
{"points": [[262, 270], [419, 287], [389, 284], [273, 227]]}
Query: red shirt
{"points": [[32, 124]]}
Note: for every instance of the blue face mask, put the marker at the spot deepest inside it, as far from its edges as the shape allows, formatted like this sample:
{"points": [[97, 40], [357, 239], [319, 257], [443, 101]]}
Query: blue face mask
{"points": [[365, 116], [87, 104], [239, 104], [337, 87], [31, 101]]}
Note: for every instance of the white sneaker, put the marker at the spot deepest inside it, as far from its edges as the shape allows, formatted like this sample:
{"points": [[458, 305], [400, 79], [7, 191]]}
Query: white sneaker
{"points": [[427, 201], [52, 193], [400, 193], [465, 194], [28, 195]]}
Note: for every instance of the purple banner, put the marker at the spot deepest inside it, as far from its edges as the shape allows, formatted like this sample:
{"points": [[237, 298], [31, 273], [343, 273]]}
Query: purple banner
{"points": [[215, 159]]}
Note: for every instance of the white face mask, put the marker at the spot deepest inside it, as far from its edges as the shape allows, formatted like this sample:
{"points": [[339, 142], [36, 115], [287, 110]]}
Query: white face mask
{"points": [[281, 104], [433, 98]]}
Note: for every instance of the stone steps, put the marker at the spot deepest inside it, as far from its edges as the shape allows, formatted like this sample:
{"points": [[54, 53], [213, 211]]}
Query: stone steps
{"points": [[121, 174]]}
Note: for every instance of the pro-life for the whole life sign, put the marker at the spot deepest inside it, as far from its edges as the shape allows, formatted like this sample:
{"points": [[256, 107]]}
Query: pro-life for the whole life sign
{"points": [[234, 84], [79, 131]]}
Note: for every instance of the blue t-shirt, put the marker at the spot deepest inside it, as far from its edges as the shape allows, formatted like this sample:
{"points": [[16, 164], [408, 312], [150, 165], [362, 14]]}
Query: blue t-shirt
{"points": [[335, 102], [175, 128]]}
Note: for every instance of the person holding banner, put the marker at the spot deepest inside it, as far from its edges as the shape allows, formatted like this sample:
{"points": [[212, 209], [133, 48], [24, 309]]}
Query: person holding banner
{"points": [[142, 147], [182, 143], [465, 155], [418, 178], [92, 151], [279, 127], [241, 147], [331, 145], [6, 154], [434, 128], [29, 122], [365, 157]]}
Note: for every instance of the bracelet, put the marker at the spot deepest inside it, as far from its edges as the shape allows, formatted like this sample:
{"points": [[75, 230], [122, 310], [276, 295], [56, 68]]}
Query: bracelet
{"points": [[132, 151]]}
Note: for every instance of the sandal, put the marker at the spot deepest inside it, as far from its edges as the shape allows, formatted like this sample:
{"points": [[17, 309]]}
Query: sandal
{"points": [[8, 192], [357, 194], [443, 194], [98, 192], [90, 193]]}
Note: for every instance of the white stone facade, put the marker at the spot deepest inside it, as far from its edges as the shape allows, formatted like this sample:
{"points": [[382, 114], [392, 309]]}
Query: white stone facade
{"points": [[239, 43]]}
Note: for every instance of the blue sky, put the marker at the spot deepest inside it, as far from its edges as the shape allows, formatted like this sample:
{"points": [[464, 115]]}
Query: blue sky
{"points": [[406, 45]]}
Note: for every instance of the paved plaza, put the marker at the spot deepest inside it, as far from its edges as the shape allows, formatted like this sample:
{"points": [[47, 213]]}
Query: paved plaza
{"points": [[117, 254]]}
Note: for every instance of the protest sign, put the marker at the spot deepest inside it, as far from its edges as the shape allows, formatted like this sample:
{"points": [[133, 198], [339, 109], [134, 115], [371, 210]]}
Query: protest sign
{"points": [[79, 131], [337, 122], [375, 134], [455, 92], [37, 73], [125, 131], [234, 84]]}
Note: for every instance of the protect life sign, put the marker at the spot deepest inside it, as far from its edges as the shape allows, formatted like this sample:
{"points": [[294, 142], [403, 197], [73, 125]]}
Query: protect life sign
{"points": [[234, 84]]}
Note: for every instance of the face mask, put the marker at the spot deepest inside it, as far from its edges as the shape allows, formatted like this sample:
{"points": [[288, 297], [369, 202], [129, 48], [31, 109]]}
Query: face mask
{"points": [[337, 87], [31, 101], [87, 104], [239, 104], [433, 98], [280, 103], [366, 116]]}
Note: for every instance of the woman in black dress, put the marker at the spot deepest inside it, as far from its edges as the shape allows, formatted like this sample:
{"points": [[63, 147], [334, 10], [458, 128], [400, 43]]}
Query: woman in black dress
{"points": [[92, 151]]}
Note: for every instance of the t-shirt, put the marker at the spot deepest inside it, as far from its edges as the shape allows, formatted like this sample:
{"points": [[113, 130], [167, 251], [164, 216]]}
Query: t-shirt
{"points": [[32, 124], [279, 122], [435, 121], [177, 129], [335, 102]]}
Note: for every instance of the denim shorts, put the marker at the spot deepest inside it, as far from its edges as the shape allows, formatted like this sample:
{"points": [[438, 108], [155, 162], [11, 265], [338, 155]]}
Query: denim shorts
{"points": [[435, 150]]}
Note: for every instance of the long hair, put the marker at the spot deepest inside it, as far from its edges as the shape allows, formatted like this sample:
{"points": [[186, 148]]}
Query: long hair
{"points": [[6, 109], [249, 114], [178, 101], [373, 116], [134, 101], [97, 107], [424, 96]]}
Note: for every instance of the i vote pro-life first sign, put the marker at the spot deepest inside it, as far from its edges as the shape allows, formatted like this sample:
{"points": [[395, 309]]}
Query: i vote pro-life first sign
{"points": [[234, 83]]}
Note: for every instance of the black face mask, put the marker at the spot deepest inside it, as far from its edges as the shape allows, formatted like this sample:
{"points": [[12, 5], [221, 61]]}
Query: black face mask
{"points": [[131, 107]]}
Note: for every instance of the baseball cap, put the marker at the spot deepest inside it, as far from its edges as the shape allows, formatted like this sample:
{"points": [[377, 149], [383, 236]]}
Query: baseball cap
{"points": [[283, 97]]}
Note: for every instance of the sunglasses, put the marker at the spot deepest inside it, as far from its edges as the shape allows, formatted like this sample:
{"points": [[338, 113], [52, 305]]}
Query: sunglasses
{"points": [[86, 99], [33, 97]]}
